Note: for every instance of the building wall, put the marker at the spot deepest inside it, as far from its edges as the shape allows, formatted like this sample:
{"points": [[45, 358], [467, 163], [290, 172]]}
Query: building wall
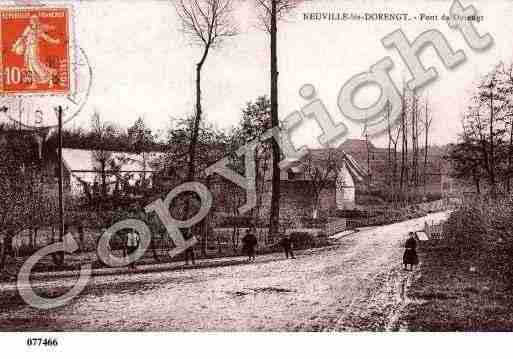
{"points": [[296, 198]]}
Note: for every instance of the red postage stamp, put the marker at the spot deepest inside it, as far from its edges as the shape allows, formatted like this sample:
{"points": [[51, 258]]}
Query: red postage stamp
{"points": [[35, 50]]}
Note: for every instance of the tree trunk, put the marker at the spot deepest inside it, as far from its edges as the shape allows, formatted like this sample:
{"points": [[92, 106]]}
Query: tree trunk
{"points": [[104, 179], [477, 183], [414, 144], [394, 173], [406, 166], [426, 136], [510, 158], [389, 155], [195, 132], [401, 185], [274, 221], [369, 174], [492, 150], [195, 129], [315, 205]]}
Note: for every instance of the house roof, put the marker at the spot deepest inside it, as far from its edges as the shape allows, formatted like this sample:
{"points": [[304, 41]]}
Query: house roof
{"points": [[85, 166], [356, 145], [341, 158]]}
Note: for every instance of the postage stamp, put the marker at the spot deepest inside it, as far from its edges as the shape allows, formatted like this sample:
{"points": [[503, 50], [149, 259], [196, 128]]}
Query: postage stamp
{"points": [[35, 56]]}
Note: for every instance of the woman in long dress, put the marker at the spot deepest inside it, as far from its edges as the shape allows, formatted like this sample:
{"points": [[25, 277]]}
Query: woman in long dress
{"points": [[410, 252], [28, 45]]}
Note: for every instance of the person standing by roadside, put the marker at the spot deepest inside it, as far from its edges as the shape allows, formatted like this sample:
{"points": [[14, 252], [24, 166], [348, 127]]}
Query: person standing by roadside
{"points": [[81, 238], [132, 244], [249, 243], [410, 252], [286, 243]]}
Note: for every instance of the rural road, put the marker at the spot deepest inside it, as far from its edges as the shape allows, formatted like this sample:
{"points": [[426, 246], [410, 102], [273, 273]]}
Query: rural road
{"points": [[356, 285]]}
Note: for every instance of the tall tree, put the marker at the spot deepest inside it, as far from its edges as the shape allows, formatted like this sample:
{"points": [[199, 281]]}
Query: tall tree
{"points": [[485, 131], [27, 201], [207, 23], [270, 12], [256, 119], [212, 145], [492, 102], [467, 162]]}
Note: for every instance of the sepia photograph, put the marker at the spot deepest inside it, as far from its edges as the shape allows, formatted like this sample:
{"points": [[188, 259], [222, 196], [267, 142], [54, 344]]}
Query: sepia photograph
{"points": [[255, 168]]}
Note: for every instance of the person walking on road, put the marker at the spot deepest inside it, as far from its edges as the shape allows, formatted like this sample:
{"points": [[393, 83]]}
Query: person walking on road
{"points": [[286, 243], [249, 243], [410, 252], [189, 252], [68, 237]]}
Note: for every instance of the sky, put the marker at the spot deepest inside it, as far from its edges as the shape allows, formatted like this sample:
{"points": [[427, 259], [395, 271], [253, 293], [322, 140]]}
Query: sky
{"points": [[143, 65]]}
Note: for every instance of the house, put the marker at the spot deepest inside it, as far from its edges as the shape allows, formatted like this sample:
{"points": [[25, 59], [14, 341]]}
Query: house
{"points": [[81, 168], [362, 171], [331, 173]]}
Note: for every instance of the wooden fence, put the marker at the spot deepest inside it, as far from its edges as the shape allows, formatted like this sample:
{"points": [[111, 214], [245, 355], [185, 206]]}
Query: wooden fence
{"points": [[433, 231], [336, 226]]}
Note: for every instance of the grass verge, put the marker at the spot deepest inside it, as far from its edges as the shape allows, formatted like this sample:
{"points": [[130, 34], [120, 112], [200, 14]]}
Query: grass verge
{"points": [[461, 288]]}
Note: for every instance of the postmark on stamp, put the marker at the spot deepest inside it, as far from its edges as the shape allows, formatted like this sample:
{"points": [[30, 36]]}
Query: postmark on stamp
{"points": [[35, 54]]}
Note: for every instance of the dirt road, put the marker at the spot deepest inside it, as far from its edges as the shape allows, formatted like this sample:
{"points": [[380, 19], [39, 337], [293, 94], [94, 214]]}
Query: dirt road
{"points": [[356, 285]]}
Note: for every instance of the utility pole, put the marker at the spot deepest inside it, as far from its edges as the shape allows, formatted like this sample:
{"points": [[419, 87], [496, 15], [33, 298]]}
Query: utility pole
{"points": [[492, 159], [369, 174], [59, 258]]}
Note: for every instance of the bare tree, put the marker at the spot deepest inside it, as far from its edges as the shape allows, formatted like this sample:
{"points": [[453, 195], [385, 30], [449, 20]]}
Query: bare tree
{"points": [[427, 125], [102, 131], [414, 140], [404, 143], [505, 81], [207, 23], [320, 172], [264, 8], [394, 133], [141, 139]]}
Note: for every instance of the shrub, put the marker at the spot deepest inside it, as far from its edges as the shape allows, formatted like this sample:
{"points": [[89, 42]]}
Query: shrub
{"points": [[322, 239], [351, 213], [309, 222], [430, 197], [301, 240], [240, 221], [467, 226]]}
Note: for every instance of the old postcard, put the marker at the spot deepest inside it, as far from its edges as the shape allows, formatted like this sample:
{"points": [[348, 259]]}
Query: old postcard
{"points": [[255, 166]]}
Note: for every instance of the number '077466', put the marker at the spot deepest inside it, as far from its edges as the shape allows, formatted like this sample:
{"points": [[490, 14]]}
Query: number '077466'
{"points": [[46, 342]]}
